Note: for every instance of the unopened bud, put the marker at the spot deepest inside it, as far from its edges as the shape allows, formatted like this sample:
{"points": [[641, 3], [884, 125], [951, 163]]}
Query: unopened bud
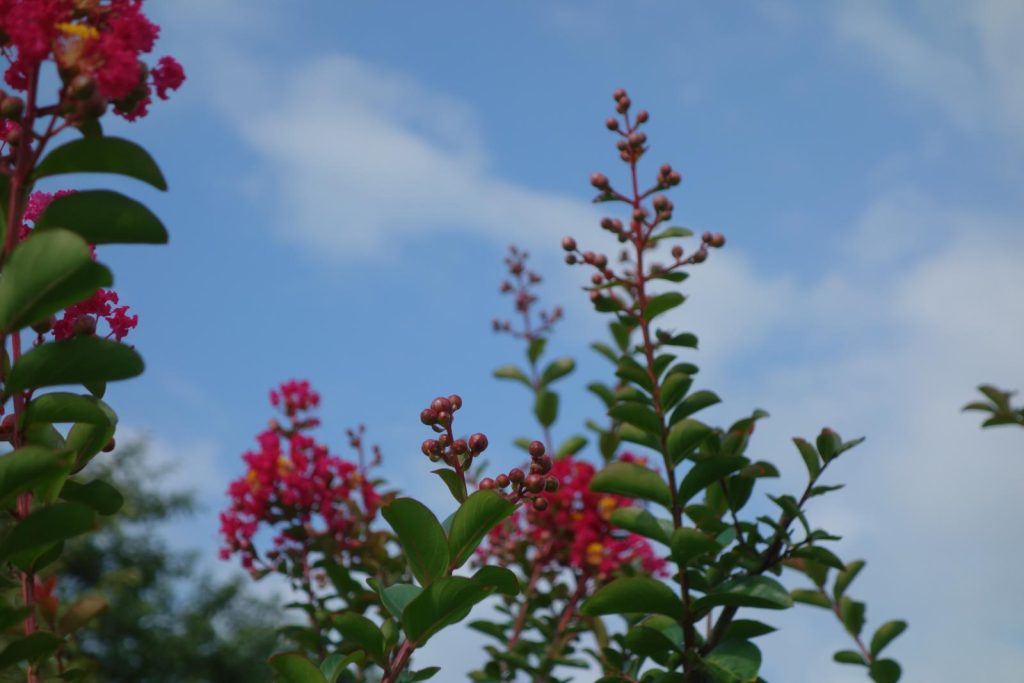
{"points": [[478, 443], [570, 259], [612, 124], [536, 449], [551, 484], [599, 180], [540, 504], [459, 446], [110, 445], [11, 107], [441, 404], [516, 475], [642, 116], [534, 483], [677, 252], [502, 481], [85, 326], [456, 401], [569, 244], [428, 416], [486, 484], [618, 94]]}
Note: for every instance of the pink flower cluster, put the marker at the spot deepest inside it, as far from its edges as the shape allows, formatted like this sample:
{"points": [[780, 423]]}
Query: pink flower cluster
{"points": [[574, 529], [296, 490], [101, 40], [84, 316]]}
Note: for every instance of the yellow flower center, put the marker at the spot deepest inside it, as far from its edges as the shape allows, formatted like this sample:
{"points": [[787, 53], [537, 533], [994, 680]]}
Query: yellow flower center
{"points": [[78, 30], [605, 507], [595, 551]]}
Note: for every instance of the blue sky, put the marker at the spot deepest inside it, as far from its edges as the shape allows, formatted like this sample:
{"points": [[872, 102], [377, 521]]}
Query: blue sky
{"points": [[345, 178]]}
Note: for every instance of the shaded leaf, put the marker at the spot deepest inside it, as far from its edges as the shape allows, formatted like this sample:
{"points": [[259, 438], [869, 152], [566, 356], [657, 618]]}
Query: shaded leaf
{"points": [[421, 537], [481, 512], [102, 155], [103, 217], [633, 480]]}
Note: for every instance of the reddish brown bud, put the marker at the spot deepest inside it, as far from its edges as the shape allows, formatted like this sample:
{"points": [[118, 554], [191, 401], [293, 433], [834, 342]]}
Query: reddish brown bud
{"points": [[674, 178], [619, 94], [601, 261], [664, 170], [534, 483], [596, 278], [444, 440], [441, 404], [11, 107], [502, 481], [717, 240], [570, 259], [430, 447], [700, 255], [545, 463], [612, 124], [661, 202], [599, 180], [550, 484], [569, 244], [516, 475], [111, 445], [478, 443], [677, 252], [536, 449], [456, 401], [85, 326], [444, 417], [623, 105], [428, 416], [486, 484], [459, 446], [642, 116], [540, 504]]}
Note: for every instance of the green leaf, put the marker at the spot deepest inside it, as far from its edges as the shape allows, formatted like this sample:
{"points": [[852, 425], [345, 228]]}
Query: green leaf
{"points": [[673, 231], [845, 577], [357, 630], [852, 614], [642, 522], [674, 388], [558, 368], [334, 664], [536, 348], [421, 537], [737, 660], [546, 407], [74, 361], [500, 579], [850, 657], [46, 273], [829, 444], [97, 494], [571, 446], [811, 597], [655, 636], [634, 595], [514, 373], [423, 674], [444, 602], [44, 527], [86, 439], [453, 481], [397, 597], [885, 671], [885, 634], [102, 155], [30, 648], [292, 667], [707, 472], [810, 455], [60, 407], [688, 543], [81, 613], [103, 217], [743, 629], [633, 480], [686, 340], [662, 303], [481, 512], [30, 467], [636, 414], [698, 400], [748, 591], [819, 554], [685, 436]]}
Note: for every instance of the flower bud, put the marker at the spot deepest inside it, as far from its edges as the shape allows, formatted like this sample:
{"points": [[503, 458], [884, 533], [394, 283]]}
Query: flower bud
{"points": [[430, 447], [674, 178], [570, 259], [516, 475], [612, 124], [428, 416], [717, 240], [110, 445], [478, 443], [601, 261], [456, 402], [502, 481], [677, 252], [444, 418], [459, 446], [536, 449], [540, 504], [623, 105], [534, 483], [596, 278], [11, 107], [85, 326], [599, 180], [441, 404], [618, 94], [486, 484], [444, 440], [551, 484], [700, 255], [569, 244], [642, 116]]}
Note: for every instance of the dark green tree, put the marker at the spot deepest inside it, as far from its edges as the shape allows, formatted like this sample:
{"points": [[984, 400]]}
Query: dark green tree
{"points": [[166, 620]]}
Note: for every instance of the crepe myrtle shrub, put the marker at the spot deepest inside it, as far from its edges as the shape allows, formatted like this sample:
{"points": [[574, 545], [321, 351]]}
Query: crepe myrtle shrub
{"points": [[373, 594], [68, 63], [724, 566]]}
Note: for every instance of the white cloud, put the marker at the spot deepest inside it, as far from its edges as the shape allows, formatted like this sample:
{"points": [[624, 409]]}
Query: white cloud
{"points": [[358, 158], [963, 57]]}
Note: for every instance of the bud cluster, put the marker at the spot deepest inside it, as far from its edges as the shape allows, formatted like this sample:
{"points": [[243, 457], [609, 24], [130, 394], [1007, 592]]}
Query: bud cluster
{"points": [[456, 453], [529, 484], [649, 213], [520, 284]]}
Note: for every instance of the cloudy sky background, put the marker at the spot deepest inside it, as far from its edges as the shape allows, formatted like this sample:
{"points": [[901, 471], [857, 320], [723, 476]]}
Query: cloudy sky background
{"points": [[345, 178]]}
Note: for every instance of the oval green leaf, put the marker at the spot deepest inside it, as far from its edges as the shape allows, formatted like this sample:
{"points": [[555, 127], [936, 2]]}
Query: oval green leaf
{"points": [[102, 155], [633, 480], [481, 512], [103, 217], [442, 603], [421, 537], [634, 595], [74, 361], [292, 667]]}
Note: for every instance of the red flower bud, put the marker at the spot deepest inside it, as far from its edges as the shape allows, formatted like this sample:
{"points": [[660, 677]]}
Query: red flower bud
{"points": [[11, 107], [534, 483], [618, 94], [570, 259], [540, 504], [428, 416], [536, 449], [441, 404], [677, 252], [550, 484], [502, 480], [477, 443], [456, 401], [612, 124], [516, 475], [459, 446], [486, 484], [599, 180], [569, 244], [642, 116]]}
